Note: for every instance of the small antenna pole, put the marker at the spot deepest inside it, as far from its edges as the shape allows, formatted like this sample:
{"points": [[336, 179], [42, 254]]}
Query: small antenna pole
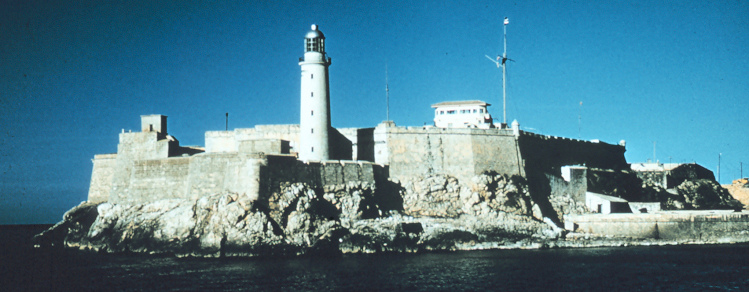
{"points": [[719, 155], [227, 121], [387, 94], [579, 119]]}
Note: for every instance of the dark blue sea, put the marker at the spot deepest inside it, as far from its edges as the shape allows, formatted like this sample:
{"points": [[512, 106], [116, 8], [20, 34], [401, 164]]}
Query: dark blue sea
{"points": [[663, 268]]}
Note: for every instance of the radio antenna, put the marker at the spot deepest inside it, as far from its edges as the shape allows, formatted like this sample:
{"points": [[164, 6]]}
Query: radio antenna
{"points": [[502, 60]]}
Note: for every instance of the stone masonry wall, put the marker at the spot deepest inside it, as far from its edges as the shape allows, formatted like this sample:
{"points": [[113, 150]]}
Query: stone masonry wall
{"points": [[233, 172], [189, 177], [318, 174], [236, 140], [132, 147], [253, 175], [497, 150], [463, 153], [101, 177], [158, 178]]}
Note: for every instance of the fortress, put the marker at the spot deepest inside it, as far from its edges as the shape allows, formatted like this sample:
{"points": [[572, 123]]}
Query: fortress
{"points": [[151, 164], [462, 183]]}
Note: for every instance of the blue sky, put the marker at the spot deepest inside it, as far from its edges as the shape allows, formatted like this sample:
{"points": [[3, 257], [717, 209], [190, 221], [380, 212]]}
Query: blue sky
{"points": [[73, 74]]}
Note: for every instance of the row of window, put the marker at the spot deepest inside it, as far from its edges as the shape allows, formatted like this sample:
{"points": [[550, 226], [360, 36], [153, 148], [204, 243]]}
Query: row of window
{"points": [[463, 111]]}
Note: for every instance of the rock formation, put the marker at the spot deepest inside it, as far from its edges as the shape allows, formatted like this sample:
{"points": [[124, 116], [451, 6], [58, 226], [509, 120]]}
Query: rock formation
{"points": [[700, 194], [429, 212], [438, 213]]}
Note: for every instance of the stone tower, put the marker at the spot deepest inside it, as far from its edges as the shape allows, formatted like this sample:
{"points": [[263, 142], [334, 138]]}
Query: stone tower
{"points": [[314, 121]]}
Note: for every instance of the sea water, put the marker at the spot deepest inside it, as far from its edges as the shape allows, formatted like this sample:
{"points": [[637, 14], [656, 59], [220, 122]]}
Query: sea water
{"points": [[658, 268]]}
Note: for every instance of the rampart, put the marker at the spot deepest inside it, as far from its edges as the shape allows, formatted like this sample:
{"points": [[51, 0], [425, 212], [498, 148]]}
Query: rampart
{"points": [[101, 177], [255, 175], [550, 153], [671, 225], [463, 153]]}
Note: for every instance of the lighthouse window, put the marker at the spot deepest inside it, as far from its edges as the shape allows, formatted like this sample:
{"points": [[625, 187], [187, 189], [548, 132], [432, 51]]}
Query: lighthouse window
{"points": [[312, 149], [311, 94], [312, 113], [311, 76], [312, 131]]}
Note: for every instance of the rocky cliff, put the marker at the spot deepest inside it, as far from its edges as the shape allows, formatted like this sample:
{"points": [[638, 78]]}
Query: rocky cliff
{"points": [[435, 212]]}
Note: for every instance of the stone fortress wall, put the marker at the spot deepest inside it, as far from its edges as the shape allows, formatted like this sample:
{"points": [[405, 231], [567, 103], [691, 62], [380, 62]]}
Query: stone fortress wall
{"points": [[463, 153], [152, 165]]}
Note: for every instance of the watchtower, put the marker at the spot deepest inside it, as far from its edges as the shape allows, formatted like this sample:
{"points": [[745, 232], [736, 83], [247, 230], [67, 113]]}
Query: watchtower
{"points": [[153, 123]]}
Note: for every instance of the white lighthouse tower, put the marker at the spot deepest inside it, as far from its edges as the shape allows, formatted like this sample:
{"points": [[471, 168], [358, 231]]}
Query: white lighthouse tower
{"points": [[314, 121]]}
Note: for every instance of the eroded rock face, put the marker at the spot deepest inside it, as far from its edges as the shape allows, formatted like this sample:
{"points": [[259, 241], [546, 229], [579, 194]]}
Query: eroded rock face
{"points": [[438, 212], [445, 196], [206, 227]]}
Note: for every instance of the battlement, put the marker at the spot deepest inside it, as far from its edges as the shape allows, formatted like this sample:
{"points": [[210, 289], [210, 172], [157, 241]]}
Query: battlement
{"points": [[557, 138], [455, 131]]}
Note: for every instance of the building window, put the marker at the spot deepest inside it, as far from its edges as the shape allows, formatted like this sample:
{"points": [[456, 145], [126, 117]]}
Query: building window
{"points": [[312, 131], [474, 111], [312, 149], [451, 112], [312, 113], [481, 111], [312, 76], [311, 94], [442, 112]]}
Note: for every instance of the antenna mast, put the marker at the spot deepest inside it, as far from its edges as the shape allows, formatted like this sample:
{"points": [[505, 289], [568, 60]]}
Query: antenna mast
{"points": [[504, 74], [503, 59], [387, 94]]}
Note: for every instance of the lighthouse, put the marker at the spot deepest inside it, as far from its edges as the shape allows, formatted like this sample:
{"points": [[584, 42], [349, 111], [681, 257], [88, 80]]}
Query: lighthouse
{"points": [[314, 122]]}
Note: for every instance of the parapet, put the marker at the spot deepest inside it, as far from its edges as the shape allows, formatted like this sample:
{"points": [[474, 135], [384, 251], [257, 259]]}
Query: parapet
{"points": [[246, 141]]}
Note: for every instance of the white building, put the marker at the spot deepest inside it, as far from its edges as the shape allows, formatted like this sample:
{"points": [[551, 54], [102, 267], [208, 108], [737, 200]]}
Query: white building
{"points": [[603, 204], [462, 114], [314, 120]]}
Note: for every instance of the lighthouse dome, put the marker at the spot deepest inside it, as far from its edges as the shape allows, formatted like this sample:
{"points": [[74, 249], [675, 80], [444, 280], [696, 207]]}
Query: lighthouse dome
{"points": [[314, 33]]}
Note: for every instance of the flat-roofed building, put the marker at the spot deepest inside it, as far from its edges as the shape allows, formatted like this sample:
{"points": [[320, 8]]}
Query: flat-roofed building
{"points": [[462, 114]]}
